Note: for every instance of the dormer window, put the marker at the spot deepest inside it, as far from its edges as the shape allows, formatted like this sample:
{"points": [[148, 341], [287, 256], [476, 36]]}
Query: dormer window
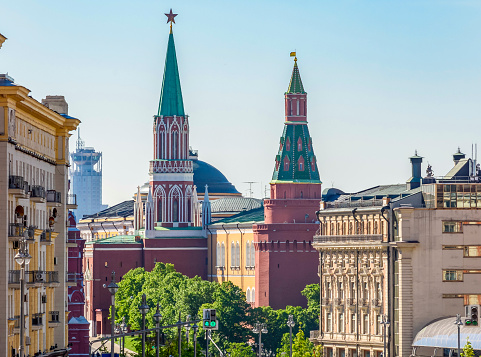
{"points": [[313, 163], [288, 144], [300, 163], [286, 163], [299, 144], [309, 144]]}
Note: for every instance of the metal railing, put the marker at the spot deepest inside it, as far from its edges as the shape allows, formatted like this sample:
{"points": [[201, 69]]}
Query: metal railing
{"points": [[46, 235], [54, 316], [354, 203], [72, 199], [54, 196], [37, 191], [16, 182], [348, 238], [17, 321], [314, 334], [52, 277], [34, 276], [14, 276], [37, 319], [16, 230]]}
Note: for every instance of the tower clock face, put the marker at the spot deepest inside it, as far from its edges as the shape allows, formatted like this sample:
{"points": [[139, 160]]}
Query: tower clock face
{"points": [[11, 122]]}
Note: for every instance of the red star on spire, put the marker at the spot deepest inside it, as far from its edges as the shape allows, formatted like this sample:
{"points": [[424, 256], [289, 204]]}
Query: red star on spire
{"points": [[170, 17]]}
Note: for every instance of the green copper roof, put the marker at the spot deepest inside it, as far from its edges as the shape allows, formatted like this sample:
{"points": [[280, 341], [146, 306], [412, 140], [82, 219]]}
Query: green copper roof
{"points": [[171, 95], [295, 85], [255, 215], [114, 240], [295, 161]]}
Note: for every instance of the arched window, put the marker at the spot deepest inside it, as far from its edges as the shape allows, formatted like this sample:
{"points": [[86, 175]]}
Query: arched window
{"points": [[189, 211], [253, 295], [365, 291], [175, 145], [175, 210], [219, 256], [299, 144], [288, 144], [222, 257], [248, 254], [302, 194], [248, 295], [253, 255], [379, 291], [159, 209], [232, 254], [237, 255]]}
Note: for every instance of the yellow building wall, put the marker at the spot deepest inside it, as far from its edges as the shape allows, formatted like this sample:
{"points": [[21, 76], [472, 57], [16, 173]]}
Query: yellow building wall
{"points": [[228, 264]]}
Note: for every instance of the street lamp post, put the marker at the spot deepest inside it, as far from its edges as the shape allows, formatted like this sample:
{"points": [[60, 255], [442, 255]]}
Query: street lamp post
{"points": [[179, 327], [260, 329], [459, 323], [23, 259], [187, 329], [144, 309], [125, 329], [113, 287], [291, 324], [195, 338], [157, 318], [385, 322]]}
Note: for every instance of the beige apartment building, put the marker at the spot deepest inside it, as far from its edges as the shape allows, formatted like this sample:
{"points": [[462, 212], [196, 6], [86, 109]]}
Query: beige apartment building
{"points": [[33, 204], [407, 254]]}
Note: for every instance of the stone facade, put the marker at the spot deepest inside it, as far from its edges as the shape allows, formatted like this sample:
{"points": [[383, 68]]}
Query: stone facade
{"points": [[33, 199]]}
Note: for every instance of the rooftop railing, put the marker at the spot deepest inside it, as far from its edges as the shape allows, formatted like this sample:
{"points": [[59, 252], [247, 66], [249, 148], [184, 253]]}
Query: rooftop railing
{"points": [[355, 238], [354, 203], [72, 199], [14, 276]]}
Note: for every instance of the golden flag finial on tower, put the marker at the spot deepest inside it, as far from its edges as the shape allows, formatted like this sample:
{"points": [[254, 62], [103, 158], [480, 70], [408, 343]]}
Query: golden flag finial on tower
{"points": [[293, 54]]}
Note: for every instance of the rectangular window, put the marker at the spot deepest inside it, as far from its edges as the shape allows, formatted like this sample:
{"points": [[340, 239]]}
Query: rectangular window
{"points": [[471, 251], [329, 322], [452, 275], [452, 227]]}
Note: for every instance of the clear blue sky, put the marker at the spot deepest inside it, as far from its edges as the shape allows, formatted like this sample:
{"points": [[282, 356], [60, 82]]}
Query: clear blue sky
{"points": [[383, 78]]}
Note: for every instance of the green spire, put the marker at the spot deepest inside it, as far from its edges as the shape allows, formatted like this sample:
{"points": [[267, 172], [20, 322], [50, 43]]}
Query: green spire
{"points": [[171, 102], [295, 85]]}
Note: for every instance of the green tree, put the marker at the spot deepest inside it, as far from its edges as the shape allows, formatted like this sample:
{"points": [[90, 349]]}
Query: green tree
{"points": [[301, 346], [240, 350], [468, 350]]}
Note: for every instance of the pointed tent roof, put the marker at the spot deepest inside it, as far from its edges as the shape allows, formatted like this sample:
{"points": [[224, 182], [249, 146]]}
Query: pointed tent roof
{"points": [[171, 102], [295, 85]]}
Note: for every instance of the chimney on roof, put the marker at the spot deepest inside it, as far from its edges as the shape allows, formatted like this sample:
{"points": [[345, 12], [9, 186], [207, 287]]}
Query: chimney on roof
{"points": [[415, 180], [458, 156], [56, 103]]}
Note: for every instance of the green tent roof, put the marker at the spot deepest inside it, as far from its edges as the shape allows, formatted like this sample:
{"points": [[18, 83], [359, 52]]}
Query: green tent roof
{"points": [[171, 102], [295, 85]]}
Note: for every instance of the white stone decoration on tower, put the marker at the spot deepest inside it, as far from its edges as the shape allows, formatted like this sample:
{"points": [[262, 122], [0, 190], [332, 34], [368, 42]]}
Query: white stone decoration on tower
{"points": [[138, 212], [206, 210], [149, 215]]}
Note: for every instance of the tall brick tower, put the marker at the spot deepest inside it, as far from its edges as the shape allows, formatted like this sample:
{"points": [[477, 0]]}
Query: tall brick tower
{"points": [[171, 171], [286, 261]]}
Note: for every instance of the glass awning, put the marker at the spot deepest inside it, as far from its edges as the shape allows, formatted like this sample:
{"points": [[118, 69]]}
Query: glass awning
{"points": [[444, 334]]}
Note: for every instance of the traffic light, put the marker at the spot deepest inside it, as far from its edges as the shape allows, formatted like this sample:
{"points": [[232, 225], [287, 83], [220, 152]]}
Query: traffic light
{"points": [[210, 320], [472, 318]]}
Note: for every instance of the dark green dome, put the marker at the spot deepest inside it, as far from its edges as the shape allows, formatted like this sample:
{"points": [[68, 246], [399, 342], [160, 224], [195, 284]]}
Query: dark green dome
{"points": [[206, 174]]}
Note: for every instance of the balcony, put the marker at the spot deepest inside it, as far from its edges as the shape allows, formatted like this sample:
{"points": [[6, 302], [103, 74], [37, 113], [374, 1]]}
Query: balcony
{"points": [[348, 239], [15, 231], [16, 325], [338, 302], [46, 237], [314, 335], [37, 321], [325, 302], [54, 198], [35, 277], [54, 318], [37, 194], [51, 278], [14, 278], [376, 303], [72, 201], [73, 278], [351, 302], [17, 186]]}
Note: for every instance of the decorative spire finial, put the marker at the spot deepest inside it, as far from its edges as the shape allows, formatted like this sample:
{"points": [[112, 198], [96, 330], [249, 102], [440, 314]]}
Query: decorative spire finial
{"points": [[170, 18], [293, 54]]}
